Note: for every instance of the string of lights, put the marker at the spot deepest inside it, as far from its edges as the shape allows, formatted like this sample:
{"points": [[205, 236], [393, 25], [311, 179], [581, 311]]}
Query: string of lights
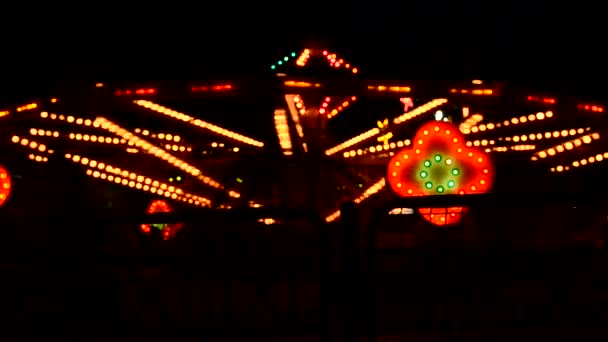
{"points": [[134, 180], [160, 153], [395, 89], [333, 61], [303, 58], [546, 135], [377, 148], [600, 157], [197, 122], [512, 148], [280, 123], [419, 110], [340, 108], [513, 121], [566, 146], [294, 101]]}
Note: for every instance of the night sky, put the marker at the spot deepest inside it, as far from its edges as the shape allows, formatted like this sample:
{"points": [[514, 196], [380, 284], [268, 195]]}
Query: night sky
{"points": [[528, 42]]}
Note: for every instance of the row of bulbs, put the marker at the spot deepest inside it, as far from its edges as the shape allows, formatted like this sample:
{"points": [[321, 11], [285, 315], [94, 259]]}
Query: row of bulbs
{"points": [[108, 140], [27, 107], [543, 100], [132, 180], [353, 141], [337, 110], [377, 148], [31, 144], [162, 136], [280, 123], [41, 132], [547, 135], [512, 148], [280, 61], [375, 188], [514, 121], [582, 162], [419, 110], [303, 58], [324, 105], [482, 142], [198, 122], [566, 146], [38, 158], [396, 89], [473, 91], [299, 103], [466, 126], [69, 118], [158, 152], [301, 84], [335, 62]]}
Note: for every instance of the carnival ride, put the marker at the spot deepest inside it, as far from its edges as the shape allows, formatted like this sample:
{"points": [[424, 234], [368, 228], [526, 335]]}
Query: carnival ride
{"points": [[302, 139]]}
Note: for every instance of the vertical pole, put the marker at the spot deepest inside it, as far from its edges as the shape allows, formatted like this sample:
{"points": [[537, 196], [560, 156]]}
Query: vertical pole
{"points": [[350, 282]]}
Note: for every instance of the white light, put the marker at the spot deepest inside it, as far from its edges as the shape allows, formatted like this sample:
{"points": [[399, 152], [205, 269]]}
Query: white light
{"points": [[439, 115]]}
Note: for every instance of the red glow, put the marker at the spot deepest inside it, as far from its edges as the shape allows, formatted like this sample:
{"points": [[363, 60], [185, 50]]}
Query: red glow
{"points": [[475, 171], [355, 70], [324, 53], [5, 185], [218, 87], [138, 92], [169, 230], [592, 108], [407, 103]]}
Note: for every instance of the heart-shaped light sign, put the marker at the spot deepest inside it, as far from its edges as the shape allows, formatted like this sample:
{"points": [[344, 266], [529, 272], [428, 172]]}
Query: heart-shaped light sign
{"points": [[440, 163]]}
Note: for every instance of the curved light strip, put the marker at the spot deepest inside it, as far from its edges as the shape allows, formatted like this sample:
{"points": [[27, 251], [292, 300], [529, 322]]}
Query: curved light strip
{"points": [[197, 122]]}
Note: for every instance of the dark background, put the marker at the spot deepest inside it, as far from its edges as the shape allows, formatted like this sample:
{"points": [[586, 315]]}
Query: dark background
{"points": [[540, 44]]}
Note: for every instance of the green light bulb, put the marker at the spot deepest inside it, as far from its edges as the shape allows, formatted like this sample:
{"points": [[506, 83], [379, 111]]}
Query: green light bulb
{"points": [[440, 189], [280, 62], [451, 184], [423, 174], [293, 54], [286, 59], [455, 172], [273, 67], [438, 158], [428, 185], [427, 163]]}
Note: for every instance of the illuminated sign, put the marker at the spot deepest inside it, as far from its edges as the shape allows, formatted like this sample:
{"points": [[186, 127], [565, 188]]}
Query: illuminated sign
{"points": [[439, 163]]}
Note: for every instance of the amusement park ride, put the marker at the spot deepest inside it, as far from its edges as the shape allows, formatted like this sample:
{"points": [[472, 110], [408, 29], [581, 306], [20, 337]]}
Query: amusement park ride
{"points": [[317, 135]]}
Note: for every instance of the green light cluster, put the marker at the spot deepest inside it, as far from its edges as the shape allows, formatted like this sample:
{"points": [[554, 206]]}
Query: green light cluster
{"points": [[280, 62], [447, 163]]}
